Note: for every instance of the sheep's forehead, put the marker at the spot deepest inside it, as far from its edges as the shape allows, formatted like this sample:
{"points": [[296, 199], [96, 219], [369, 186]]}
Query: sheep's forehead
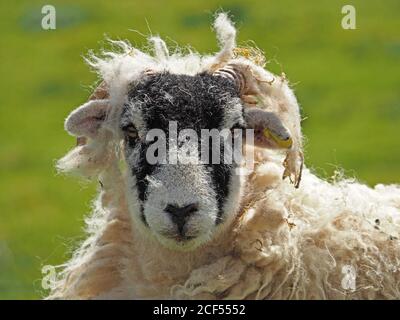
{"points": [[198, 102]]}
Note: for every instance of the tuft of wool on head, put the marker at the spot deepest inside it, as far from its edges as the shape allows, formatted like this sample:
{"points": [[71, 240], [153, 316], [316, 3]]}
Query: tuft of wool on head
{"points": [[226, 34]]}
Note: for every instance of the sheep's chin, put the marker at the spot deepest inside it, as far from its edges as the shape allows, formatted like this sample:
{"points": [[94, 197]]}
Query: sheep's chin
{"points": [[187, 245]]}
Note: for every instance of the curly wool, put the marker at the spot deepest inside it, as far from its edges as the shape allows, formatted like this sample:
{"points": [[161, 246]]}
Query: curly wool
{"points": [[285, 243]]}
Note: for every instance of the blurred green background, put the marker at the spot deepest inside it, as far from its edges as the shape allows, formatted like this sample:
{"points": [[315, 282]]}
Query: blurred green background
{"points": [[347, 82]]}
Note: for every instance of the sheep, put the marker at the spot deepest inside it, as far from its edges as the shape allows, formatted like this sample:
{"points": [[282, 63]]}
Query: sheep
{"points": [[202, 232]]}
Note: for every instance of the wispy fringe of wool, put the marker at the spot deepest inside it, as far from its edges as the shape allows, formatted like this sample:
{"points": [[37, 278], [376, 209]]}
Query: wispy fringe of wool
{"points": [[286, 243]]}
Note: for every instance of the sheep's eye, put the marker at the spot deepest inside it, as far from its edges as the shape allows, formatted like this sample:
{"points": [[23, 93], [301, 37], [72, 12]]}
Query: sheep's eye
{"points": [[237, 126], [130, 131]]}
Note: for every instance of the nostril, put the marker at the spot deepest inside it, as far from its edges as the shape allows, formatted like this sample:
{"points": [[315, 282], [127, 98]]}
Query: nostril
{"points": [[191, 208], [170, 209], [181, 211]]}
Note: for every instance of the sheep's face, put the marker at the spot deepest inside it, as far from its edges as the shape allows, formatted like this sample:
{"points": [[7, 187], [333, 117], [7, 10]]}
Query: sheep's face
{"points": [[175, 188], [183, 143], [181, 187]]}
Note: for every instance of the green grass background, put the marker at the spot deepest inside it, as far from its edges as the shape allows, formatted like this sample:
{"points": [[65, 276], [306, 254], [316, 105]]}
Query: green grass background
{"points": [[347, 82]]}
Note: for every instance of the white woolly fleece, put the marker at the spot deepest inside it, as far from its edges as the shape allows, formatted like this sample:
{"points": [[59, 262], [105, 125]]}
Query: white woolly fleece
{"points": [[284, 243]]}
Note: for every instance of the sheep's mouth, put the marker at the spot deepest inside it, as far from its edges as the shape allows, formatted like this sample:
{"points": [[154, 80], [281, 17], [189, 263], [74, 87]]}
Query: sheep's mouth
{"points": [[180, 238], [180, 242], [184, 238]]}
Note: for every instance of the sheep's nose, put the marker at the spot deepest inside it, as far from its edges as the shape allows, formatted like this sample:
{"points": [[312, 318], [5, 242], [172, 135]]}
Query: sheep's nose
{"points": [[179, 215]]}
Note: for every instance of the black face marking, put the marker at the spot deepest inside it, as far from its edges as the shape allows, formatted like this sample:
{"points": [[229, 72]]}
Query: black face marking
{"points": [[221, 175], [143, 217], [141, 171], [195, 102]]}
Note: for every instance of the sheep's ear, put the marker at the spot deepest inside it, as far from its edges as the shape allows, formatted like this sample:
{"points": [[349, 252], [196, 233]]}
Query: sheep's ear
{"points": [[86, 120], [269, 131]]}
